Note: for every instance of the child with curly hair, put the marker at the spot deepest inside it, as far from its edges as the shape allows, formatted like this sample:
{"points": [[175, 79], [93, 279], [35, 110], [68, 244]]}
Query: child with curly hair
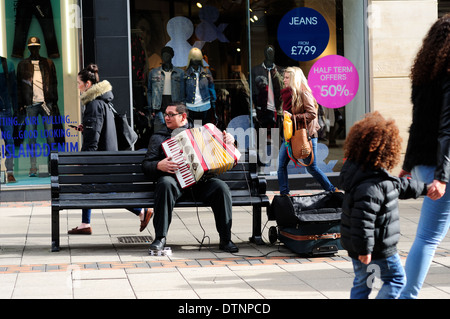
{"points": [[370, 227]]}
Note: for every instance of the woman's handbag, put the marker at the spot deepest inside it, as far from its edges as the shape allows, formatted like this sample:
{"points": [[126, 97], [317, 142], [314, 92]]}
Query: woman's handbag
{"points": [[126, 136], [301, 143]]}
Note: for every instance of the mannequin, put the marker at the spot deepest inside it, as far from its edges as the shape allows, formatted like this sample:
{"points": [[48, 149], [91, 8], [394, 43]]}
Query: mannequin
{"points": [[37, 93], [165, 86], [8, 107], [200, 91], [267, 82]]}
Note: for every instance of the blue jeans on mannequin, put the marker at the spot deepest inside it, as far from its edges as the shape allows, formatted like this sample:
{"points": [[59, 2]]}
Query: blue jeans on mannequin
{"points": [[389, 270], [433, 226], [313, 169]]}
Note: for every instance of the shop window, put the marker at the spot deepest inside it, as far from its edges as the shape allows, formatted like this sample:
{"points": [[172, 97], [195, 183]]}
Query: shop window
{"points": [[218, 29], [40, 44], [233, 37]]}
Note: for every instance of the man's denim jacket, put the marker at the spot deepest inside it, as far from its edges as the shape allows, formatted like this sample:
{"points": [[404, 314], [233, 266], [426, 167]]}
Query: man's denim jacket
{"points": [[206, 85], [156, 87]]}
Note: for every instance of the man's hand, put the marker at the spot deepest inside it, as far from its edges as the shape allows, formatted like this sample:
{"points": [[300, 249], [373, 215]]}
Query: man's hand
{"points": [[228, 138], [167, 165]]}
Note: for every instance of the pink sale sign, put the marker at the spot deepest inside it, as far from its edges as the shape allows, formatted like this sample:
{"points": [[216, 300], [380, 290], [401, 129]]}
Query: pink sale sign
{"points": [[334, 81]]}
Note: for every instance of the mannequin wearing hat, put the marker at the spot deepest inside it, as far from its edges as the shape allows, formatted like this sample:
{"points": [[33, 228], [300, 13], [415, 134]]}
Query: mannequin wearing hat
{"points": [[200, 91], [165, 86], [37, 93]]}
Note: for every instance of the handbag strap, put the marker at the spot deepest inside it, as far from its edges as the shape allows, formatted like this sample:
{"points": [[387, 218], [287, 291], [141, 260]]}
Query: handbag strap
{"points": [[298, 163], [112, 108]]}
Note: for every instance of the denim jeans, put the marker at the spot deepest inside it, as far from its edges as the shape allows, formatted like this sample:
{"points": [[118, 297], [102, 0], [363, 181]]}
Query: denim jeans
{"points": [[33, 112], [86, 214], [313, 169], [42, 10], [432, 228], [389, 270]]}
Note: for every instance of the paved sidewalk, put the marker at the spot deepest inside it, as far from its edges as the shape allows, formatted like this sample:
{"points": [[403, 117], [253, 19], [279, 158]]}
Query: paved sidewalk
{"points": [[114, 262]]}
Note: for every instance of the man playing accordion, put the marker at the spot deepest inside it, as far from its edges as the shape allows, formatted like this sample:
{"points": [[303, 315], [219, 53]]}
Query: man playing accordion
{"points": [[162, 169]]}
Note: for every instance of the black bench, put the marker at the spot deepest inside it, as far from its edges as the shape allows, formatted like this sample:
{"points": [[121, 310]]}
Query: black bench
{"points": [[115, 180]]}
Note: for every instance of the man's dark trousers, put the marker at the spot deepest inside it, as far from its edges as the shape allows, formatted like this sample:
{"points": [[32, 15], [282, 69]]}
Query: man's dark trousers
{"points": [[213, 192]]}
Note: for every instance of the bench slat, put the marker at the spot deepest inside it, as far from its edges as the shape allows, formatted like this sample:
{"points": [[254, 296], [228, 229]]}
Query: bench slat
{"points": [[147, 202]]}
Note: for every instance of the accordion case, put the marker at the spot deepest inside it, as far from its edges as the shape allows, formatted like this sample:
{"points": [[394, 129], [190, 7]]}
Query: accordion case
{"points": [[308, 224]]}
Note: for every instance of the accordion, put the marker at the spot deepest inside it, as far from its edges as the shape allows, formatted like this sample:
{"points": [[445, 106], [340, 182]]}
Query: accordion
{"points": [[200, 152]]}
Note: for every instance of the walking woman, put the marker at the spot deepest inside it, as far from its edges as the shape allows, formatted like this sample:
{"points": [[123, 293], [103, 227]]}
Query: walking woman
{"points": [[299, 101], [428, 151], [99, 132]]}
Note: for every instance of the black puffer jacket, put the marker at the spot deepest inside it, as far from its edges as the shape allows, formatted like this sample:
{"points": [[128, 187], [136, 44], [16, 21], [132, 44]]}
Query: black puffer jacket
{"points": [[370, 217], [99, 133]]}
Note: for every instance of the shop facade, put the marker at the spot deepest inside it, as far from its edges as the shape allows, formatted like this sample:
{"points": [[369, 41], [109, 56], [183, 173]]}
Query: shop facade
{"points": [[356, 55]]}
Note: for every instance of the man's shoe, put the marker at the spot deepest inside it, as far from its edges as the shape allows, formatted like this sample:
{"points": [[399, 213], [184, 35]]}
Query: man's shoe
{"points": [[158, 244], [228, 246]]}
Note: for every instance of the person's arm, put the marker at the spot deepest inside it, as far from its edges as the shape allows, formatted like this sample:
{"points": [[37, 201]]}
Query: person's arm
{"points": [[362, 222], [310, 111]]}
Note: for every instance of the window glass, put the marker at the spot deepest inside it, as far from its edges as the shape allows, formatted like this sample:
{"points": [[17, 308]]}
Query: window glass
{"points": [[219, 30], [42, 67], [326, 39]]}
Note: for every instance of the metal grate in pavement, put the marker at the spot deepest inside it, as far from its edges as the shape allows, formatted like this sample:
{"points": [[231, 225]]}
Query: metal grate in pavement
{"points": [[135, 239]]}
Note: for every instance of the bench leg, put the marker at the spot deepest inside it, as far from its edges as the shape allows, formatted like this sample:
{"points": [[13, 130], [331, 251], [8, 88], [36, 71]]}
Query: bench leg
{"points": [[55, 229], [256, 232]]}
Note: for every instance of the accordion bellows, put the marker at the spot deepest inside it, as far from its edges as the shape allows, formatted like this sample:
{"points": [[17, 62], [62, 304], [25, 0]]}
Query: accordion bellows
{"points": [[200, 151]]}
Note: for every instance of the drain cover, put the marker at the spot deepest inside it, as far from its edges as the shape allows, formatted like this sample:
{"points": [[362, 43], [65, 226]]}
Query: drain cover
{"points": [[135, 239]]}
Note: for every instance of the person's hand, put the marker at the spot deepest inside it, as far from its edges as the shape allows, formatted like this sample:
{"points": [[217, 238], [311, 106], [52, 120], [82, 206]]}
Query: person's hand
{"points": [[436, 189], [365, 259], [167, 165], [228, 138]]}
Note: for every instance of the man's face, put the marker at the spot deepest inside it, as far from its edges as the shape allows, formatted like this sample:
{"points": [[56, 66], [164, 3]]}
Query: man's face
{"points": [[175, 121]]}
